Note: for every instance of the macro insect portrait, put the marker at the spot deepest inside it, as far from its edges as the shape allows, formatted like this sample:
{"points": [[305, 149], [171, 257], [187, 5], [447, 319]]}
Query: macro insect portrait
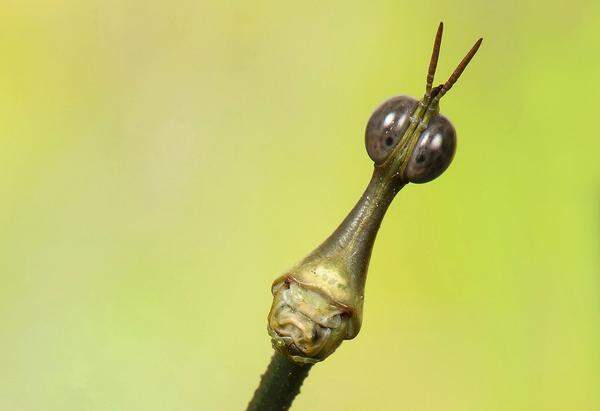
{"points": [[316, 206], [319, 302]]}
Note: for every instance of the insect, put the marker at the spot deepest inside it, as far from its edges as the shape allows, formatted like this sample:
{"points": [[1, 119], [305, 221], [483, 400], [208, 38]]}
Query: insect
{"points": [[318, 303], [425, 134]]}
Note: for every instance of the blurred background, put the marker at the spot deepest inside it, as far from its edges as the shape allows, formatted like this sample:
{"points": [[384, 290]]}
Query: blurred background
{"points": [[162, 162]]}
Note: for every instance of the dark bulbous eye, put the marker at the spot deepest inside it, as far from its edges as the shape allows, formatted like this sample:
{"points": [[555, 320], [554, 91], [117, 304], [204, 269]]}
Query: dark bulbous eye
{"points": [[387, 125], [433, 152]]}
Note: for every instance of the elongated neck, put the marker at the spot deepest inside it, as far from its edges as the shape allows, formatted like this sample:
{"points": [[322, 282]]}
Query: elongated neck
{"points": [[352, 242]]}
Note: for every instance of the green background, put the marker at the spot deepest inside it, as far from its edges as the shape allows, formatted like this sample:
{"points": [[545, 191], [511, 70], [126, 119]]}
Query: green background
{"points": [[162, 162]]}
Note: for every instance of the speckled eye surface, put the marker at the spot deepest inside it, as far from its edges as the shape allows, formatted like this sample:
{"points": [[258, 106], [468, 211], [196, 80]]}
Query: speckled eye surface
{"points": [[387, 125], [433, 152]]}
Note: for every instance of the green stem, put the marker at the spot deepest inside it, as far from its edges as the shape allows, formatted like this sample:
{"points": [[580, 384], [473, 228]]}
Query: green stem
{"points": [[279, 385]]}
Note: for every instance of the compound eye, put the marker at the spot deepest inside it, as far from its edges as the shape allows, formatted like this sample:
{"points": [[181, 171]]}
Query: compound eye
{"points": [[433, 152], [387, 125]]}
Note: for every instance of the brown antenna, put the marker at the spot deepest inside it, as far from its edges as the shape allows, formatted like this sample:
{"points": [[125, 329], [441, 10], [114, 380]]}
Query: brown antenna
{"points": [[434, 59], [458, 71]]}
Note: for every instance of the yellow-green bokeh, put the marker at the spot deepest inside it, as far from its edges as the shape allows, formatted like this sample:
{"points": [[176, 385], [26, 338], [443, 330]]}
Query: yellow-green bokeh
{"points": [[162, 161]]}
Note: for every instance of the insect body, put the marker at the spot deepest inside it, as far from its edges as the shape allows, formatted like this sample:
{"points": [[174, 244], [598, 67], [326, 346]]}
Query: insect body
{"points": [[318, 303]]}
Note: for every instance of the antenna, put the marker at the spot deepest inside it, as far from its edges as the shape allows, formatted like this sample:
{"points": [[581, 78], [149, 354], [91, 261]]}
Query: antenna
{"points": [[434, 59], [457, 72]]}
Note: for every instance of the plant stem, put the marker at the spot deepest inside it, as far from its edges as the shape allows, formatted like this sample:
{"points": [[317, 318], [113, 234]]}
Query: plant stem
{"points": [[279, 385]]}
